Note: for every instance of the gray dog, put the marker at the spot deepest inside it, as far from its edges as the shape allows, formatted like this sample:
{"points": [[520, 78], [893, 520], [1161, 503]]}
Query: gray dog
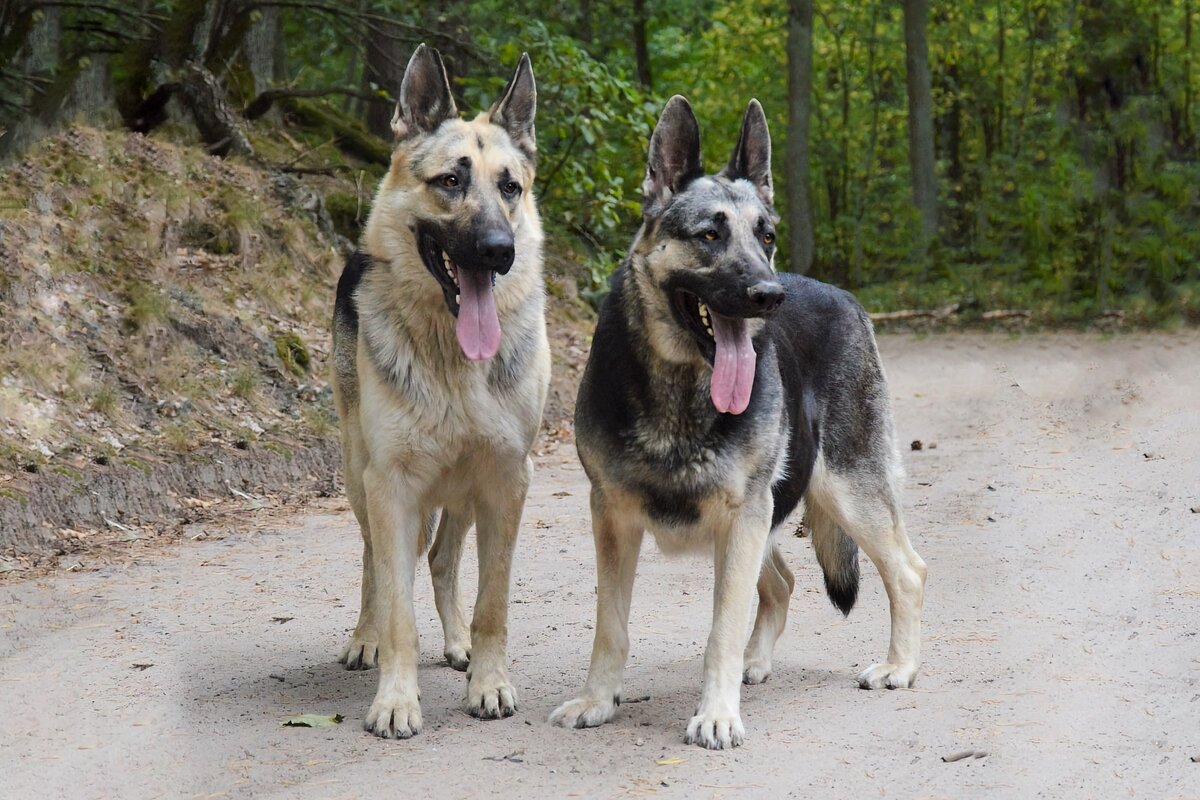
{"points": [[717, 397]]}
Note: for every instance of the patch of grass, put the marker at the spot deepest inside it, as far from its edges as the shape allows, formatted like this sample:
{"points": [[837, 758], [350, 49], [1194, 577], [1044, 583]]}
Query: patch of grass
{"points": [[67, 472], [245, 382], [292, 352], [348, 211], [275, 447], [147, 306], [179, 437], [138, 464], [16, 497], [319, 420]]}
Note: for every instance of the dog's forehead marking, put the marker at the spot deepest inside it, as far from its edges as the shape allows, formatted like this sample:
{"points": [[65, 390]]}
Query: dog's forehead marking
{"points": [[710, 198], [477, 146]]}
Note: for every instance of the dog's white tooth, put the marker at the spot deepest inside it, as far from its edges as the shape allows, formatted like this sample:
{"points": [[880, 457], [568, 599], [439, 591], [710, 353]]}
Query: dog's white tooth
{"points": [[457, 298]]}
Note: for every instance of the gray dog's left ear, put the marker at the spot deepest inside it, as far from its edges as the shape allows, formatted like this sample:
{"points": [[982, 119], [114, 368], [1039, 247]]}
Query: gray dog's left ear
{"points": [[751, 158], [517, 107]]}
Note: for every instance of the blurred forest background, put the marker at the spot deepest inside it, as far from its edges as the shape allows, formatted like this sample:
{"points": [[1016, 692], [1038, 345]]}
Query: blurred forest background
{"points": [[1034, 154], [181, 181]]}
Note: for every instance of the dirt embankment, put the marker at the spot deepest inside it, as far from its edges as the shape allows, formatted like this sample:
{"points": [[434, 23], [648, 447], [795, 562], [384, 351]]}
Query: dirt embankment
{"points": [[164, 338]]}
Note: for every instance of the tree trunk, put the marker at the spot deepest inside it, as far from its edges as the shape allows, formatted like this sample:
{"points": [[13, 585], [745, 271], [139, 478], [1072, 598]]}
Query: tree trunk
{"points": [[920, 115], [641, 49], [36, 42], [383, 67], [1186, 133], [585, 22], [1001, 40], [219, 128], [261, 49], [799, 205]]}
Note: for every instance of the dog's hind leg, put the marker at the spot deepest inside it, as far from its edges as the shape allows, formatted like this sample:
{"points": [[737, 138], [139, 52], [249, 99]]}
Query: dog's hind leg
{"points": [[396, 525], [362, 649], [618, 544], [775, 585], [444, 558], [867, 507], [498, 507]]}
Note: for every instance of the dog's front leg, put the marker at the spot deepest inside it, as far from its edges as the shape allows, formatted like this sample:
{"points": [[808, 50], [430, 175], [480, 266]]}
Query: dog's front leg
{"points": [[395, 530], [501, 499], [617, 547], [739, 548]]}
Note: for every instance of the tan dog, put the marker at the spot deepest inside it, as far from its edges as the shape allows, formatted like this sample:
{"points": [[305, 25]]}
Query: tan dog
{"points": [[441, 367]]}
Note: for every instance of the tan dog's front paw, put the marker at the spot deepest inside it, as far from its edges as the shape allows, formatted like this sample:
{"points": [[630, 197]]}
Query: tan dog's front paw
{"points": [[491, 697], [890, 676], [584, 712], [361, 652], [394, 717], [458, 657], [715, 731], [756, 671]]}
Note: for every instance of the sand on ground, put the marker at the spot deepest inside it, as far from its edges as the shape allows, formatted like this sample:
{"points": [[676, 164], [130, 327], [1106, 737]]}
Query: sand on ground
{"points": [[1061, 628]]}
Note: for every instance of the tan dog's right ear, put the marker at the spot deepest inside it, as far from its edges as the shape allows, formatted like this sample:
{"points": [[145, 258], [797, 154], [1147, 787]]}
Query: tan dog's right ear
{"points": [[425, 98], [517, 107]]}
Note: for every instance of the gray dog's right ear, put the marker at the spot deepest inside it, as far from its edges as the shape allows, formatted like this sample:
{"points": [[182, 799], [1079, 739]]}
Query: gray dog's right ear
{"points": [[425, 98], [674, 155]]}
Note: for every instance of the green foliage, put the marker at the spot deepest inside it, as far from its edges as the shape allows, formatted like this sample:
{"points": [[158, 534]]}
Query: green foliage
{"points": [[593, 125], [1065, 130], [292, 352]]}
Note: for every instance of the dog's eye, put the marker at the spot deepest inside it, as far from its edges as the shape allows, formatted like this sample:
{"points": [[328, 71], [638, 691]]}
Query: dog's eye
{"points": [[449, 181], [510, 188], [710, 235], [768, 238]]}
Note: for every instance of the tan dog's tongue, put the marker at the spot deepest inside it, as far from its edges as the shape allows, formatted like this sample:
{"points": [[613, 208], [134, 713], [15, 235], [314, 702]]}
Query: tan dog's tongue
{"points": [[733, 365], [478, 327]]}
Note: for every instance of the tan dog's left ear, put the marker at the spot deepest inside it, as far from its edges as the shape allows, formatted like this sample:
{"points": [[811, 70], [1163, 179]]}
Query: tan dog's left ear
{"points": [[425, 98], [517, 107]]}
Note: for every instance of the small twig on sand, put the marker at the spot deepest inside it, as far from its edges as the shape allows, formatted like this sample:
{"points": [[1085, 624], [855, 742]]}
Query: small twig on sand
{"points": [[964, 754]]}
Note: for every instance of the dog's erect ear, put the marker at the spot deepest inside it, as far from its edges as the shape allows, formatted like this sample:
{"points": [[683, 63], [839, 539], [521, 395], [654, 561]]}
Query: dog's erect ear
{"points": [[751, 158], [517, 107], [425, 98], [674, 159]]}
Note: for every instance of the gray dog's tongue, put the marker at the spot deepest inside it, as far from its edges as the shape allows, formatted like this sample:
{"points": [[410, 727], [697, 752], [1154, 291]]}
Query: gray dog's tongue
{"points": [[733, 365], [478, 327]]}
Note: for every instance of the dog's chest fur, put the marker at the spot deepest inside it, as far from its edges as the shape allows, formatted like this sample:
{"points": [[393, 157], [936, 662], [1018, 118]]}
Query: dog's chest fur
{"points": [[647, 432], [430, 409]]}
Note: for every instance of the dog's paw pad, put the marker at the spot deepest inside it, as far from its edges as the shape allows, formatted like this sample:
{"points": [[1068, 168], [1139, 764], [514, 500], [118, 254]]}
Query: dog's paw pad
{"points": [[491, 699], [715, 731], [887, 676], [398, 718], [459, 658], [583, 712], [360, 653]]}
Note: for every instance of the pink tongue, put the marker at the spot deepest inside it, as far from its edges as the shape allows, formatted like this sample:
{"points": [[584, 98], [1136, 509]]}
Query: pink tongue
{"points": [[478, 327], [733, 366]]}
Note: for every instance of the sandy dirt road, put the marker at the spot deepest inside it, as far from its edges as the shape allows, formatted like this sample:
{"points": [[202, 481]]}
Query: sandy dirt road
{"points": [[1062, 628]]}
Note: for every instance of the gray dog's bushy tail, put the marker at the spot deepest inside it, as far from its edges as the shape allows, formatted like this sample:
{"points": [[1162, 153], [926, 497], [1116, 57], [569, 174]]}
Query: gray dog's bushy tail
{"points": [[838, 556]]}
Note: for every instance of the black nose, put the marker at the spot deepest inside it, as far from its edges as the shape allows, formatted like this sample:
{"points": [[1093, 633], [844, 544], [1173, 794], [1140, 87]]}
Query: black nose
{"points": [[495, 250], [767, 295]]}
